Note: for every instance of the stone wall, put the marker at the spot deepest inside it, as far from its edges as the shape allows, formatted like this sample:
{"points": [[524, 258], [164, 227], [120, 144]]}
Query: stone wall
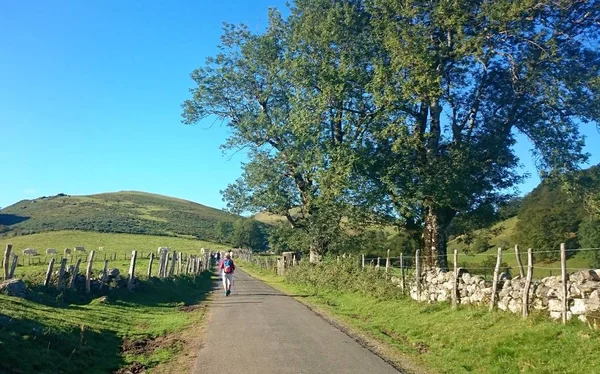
{"points": [[544, 295]]}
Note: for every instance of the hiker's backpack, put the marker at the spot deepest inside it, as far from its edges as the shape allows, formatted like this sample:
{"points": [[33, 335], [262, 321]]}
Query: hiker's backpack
{"points": [[228, 266]]}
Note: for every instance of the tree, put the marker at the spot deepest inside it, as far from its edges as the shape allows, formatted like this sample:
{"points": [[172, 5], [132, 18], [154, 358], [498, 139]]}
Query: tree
{"points": [[247, 233], [295, 97], [510, 208], [457, 81], [548, 217], [223, 232], [589, 237], [588, 184]]}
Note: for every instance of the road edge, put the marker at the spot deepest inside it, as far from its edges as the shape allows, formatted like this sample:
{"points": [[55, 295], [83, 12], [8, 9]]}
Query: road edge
{"points": [[403, 363]]}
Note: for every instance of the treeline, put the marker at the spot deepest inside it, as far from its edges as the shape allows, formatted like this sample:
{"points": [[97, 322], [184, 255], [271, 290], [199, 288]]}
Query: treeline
{"points": [[363, 114]]}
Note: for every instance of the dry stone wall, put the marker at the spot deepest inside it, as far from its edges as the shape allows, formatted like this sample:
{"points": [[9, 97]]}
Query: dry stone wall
{"points": [[544, 295]]}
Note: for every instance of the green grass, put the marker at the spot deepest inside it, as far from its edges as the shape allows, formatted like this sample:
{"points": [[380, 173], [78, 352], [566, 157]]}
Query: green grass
{"points": [[470, 340], [122, 244], [121, 212], [504, 238], [71, 333]]}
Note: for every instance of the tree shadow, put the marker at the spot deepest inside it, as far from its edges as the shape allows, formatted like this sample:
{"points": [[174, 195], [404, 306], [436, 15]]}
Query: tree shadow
{"points": [[274, 294], [30, 346]]}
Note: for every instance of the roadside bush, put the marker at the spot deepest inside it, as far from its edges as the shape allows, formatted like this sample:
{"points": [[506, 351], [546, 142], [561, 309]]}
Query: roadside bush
{"points": [[345, 276]]}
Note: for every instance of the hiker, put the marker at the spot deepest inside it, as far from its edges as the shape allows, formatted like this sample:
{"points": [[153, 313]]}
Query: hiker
{"points": [[228, 268]]}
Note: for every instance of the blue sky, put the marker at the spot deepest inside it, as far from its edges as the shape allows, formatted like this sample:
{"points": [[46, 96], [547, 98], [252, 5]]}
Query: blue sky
{"points": [[91, 92]]}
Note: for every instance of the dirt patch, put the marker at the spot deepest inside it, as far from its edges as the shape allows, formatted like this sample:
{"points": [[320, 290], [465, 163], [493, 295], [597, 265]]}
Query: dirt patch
{"points": [[148, 345], [134, 368], [421, 347]]}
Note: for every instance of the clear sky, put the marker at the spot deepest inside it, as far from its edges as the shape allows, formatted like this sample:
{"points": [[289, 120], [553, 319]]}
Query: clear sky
{"points": [[90, 95]]}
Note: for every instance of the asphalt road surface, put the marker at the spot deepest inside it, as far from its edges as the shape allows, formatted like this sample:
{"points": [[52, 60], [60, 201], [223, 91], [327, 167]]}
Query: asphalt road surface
{"points": [[260, 330]]}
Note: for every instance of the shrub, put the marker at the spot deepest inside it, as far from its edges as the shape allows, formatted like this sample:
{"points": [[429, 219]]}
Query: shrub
{"points": [[345, 276]]}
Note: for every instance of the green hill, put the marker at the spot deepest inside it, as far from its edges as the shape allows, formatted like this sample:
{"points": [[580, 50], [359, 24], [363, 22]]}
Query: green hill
{"points": [[121, 212]]}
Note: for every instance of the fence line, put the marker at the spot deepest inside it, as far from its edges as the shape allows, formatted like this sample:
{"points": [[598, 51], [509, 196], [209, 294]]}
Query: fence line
{"points": [[68, 277], [499, 292]]}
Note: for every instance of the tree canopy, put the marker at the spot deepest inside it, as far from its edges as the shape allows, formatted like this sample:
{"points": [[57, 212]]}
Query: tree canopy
{"points": [[399, 111]]}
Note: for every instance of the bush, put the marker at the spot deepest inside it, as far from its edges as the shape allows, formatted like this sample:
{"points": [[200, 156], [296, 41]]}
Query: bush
{"points": [[345, 276]]}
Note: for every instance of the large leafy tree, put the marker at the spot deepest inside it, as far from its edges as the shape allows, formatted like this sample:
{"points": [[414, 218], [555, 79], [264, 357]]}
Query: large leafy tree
{"points": [[247, 233], [296, 99], [457, 81]]}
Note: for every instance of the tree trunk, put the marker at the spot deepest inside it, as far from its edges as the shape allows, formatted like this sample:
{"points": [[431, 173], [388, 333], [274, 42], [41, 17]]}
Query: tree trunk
{"points": [[435, 241], [314, 254]]}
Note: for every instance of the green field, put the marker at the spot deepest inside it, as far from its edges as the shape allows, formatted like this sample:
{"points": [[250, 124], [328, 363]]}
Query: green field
{"points": [[441, 340], [69, 332], [122, 244], [121, 212]]}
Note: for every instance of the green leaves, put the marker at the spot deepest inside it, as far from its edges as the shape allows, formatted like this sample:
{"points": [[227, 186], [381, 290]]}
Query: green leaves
{"points": [[400, 110]]}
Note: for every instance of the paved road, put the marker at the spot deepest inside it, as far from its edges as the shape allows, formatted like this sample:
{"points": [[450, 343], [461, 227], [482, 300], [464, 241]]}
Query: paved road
{"points": [[260, 330]]}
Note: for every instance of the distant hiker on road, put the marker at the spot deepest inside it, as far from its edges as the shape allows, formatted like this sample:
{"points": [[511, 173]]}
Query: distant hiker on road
{"points": [[228, 268]]}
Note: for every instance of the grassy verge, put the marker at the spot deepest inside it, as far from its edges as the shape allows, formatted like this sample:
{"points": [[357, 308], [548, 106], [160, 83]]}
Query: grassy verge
{"points": [[469, 340], [68, 332]]}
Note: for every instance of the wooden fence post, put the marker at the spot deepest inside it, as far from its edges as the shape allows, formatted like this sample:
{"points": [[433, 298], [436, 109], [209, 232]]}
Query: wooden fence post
{"points": [[61, 274], [160, 263], [88, 273], [6, 264], [172, 268], [179, 263], [387, 263], [418, 273], [150, 265], [563, 270], [74, 274], [363, 261], [131, 270], [495, 281], [166, 266], [402, 284], [49, 273], [527, 283], [519, 263], [13, 267], [104, 275], [455, 281]]}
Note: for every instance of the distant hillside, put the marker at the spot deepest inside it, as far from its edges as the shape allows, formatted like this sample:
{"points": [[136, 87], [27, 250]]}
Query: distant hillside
{"points": [[120, 212], [501, 234], [269, 218]]}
